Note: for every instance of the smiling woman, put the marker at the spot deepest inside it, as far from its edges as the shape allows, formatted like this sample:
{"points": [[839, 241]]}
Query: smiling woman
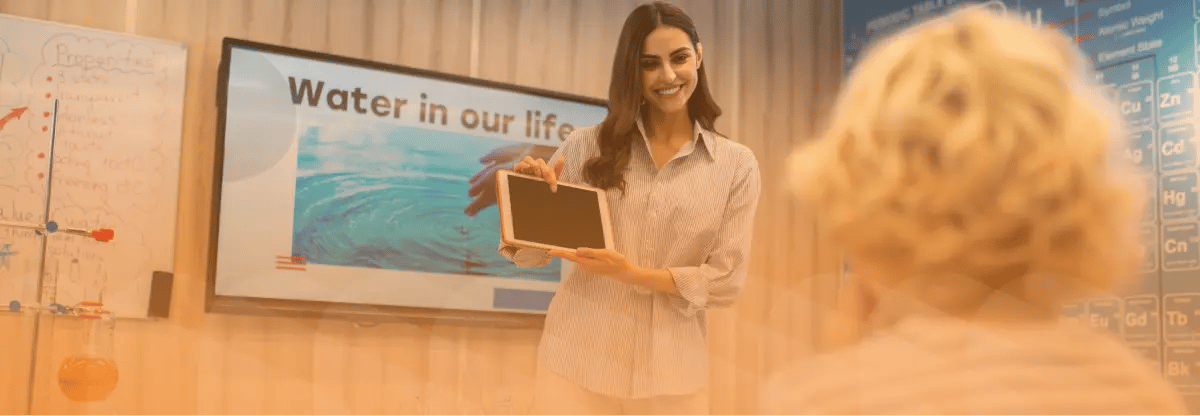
{"points": [[656, 54], [626, 331]]}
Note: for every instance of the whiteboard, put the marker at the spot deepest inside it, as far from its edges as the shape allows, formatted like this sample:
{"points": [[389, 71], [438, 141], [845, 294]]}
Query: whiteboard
{"points": [[116, 161]]}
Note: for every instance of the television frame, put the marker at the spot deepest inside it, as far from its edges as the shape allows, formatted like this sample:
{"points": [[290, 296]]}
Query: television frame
{"points": [[362, 314]]}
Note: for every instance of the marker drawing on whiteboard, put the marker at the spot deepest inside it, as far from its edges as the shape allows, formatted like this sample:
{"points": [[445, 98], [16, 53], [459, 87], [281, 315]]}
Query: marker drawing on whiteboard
{"points": [[48, 226], [5, 253], [14, 114], [102, 235]]}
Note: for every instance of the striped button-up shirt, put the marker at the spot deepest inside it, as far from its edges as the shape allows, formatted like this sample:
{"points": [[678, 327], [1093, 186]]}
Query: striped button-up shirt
{"points": [[693, 217]]}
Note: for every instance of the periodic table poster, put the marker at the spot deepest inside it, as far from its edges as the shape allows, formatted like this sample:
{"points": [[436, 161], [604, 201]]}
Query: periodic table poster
{"points": [[1145, 53]]}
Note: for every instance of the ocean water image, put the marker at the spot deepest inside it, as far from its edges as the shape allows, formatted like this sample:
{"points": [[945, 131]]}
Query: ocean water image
{"points": [[392, 197]]}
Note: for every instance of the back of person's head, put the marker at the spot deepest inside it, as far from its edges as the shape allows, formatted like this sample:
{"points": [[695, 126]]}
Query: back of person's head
{"points": [[973, 153]]}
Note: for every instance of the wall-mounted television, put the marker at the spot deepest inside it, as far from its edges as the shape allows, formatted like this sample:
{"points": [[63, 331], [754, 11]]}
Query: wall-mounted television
{"points": [[365, 190]]}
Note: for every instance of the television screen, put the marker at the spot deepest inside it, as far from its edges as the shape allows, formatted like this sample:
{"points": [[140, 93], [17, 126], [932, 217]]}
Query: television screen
{"points": [[356, 182]]}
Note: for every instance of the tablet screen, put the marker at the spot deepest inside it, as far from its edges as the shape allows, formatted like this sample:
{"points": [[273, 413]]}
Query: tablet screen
{"points": [[568, 218]]}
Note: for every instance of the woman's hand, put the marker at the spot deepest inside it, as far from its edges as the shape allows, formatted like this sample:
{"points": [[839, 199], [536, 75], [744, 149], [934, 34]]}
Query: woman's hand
{"points": [[483, 183], [538, 167], [613, 264], [602, 261]]}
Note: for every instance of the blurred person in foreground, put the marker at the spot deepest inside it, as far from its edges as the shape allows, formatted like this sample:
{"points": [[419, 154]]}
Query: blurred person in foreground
{"points": [[972, 175]]}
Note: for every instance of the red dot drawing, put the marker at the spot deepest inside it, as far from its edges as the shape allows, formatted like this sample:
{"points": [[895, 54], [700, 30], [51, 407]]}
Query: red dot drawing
{"points": [[47, 95], [41, 155], [46, 114], [44, 128], [103, 235], [49, 78], [41, 175]]}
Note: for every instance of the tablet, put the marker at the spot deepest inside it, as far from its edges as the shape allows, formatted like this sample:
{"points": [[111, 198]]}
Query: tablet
{"points": [[532, 216]]}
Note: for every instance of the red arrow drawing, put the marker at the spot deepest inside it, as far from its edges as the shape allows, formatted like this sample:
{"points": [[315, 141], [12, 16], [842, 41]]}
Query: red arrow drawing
{"points": [[15, 113]]}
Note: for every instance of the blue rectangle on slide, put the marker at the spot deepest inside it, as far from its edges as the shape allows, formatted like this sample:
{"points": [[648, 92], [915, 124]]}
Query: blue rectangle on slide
{"points": [[532, 300]]}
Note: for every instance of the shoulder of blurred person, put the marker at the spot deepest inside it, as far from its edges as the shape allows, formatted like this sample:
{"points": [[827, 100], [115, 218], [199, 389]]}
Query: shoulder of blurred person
{"points": [[952, 366]]}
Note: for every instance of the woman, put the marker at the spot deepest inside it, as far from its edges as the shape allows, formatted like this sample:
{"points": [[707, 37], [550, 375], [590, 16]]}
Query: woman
{"points": [[625, 333], [973, 174]]}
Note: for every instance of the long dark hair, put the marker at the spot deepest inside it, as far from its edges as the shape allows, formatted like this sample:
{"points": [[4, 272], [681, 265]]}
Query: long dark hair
{"points": [[619, 128]]}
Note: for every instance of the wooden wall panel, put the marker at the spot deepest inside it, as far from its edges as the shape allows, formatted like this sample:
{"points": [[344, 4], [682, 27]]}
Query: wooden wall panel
{"points": [[826, 25], [801, 243], [752, 113], [14, 369], [722, 62], [773, 70], [780, 268]]}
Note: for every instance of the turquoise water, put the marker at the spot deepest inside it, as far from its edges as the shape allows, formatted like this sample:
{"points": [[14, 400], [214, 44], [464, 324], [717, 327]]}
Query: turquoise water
{"points": [[391, 197]]}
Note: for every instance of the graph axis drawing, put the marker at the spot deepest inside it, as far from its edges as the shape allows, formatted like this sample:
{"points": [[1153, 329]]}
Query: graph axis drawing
{"points": [[43, 230]]}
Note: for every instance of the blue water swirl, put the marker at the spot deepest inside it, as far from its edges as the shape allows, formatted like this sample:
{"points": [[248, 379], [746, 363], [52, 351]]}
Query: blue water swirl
{"points": [[389, 197]]}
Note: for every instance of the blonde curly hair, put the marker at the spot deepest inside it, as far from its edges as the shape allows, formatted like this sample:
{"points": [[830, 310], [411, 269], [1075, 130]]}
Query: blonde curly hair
{"points": [[974, 145]]}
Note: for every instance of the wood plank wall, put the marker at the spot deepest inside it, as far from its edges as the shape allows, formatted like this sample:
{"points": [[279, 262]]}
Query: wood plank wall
{"points": [[773, 64]]}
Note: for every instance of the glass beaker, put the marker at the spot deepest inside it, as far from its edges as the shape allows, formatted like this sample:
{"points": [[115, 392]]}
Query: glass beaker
{"points": [[89, 372]]}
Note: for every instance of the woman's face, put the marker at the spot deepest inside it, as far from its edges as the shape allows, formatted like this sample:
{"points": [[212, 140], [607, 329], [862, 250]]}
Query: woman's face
{"points": [[669, 67]]}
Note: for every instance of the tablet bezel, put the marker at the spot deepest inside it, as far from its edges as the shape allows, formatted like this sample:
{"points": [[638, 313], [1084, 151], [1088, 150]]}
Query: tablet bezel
{"points": [[503, 201]]}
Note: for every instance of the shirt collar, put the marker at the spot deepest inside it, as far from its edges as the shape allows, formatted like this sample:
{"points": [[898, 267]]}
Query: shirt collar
{"points": [[700, 134]]}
